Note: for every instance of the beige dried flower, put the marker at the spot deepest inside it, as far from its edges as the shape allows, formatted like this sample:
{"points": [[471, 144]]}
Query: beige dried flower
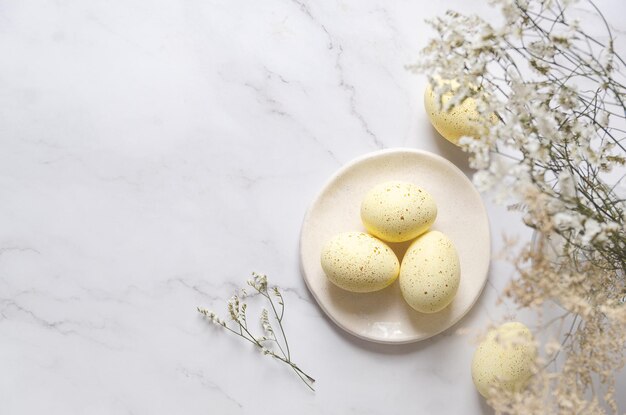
{"points": [[560, 98]]}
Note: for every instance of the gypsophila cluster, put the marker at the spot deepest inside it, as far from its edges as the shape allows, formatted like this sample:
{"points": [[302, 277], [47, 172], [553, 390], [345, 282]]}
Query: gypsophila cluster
{"points": [[269, 343], [557, 98]]}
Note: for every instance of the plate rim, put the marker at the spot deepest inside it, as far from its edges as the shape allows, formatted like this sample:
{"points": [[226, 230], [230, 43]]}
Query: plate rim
{"points": [[342, 170]]}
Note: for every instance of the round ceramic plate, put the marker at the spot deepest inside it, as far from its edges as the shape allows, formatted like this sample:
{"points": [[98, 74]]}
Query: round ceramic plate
{"points": [[384, 316]]}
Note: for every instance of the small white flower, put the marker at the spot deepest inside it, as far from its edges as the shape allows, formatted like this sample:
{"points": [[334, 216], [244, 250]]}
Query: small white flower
{"points": [[265, 322], [483, 180], [552, 347], [603, 119], [565, 220], [551, 88], [566, 184], [592, 229]]}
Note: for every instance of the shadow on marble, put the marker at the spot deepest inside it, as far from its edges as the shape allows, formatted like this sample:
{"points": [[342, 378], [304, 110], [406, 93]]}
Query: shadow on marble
{"points": [[485, 409], [451, 152]]}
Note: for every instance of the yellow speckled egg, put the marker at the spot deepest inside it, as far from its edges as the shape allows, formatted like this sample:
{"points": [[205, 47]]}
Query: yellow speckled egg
{"points": [[358, 262], [430, 273], [398, 211], [462, 120], [504, 359]]}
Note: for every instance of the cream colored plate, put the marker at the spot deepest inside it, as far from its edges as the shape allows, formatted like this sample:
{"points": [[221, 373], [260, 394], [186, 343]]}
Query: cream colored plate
{"points": [[383, 316]]}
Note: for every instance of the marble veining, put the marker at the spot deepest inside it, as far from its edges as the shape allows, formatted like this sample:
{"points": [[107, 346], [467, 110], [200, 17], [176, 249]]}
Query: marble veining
{"points": [[154, 153]]}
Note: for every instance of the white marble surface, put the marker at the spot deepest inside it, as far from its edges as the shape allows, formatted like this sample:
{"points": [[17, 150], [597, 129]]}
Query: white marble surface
{"points": [[154, 153]]}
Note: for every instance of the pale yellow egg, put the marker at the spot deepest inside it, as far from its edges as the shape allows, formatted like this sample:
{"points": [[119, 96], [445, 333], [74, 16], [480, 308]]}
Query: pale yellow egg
{"points": [[430, 273], [398, 211], [462, 120], [505, 359], [358, 262]]}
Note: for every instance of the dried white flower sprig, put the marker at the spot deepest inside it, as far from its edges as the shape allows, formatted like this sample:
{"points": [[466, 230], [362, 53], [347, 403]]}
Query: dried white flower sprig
{"points": [[558, 91], [268, 343]]}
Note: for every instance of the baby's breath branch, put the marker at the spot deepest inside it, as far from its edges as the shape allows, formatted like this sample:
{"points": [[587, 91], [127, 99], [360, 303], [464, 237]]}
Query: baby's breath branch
{"points": [[558, 94], [237, 312]]}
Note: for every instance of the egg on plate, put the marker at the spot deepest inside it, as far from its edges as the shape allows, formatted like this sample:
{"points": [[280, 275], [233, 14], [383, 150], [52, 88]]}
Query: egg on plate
{"points": [[358, 262], [430, 273], [397, 211]]}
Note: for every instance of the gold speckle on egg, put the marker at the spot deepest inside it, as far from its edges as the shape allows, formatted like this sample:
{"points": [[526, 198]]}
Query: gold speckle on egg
{"points": [[419, 274], [358, 262], [505, 359], [461, 120], [397, 211]]}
